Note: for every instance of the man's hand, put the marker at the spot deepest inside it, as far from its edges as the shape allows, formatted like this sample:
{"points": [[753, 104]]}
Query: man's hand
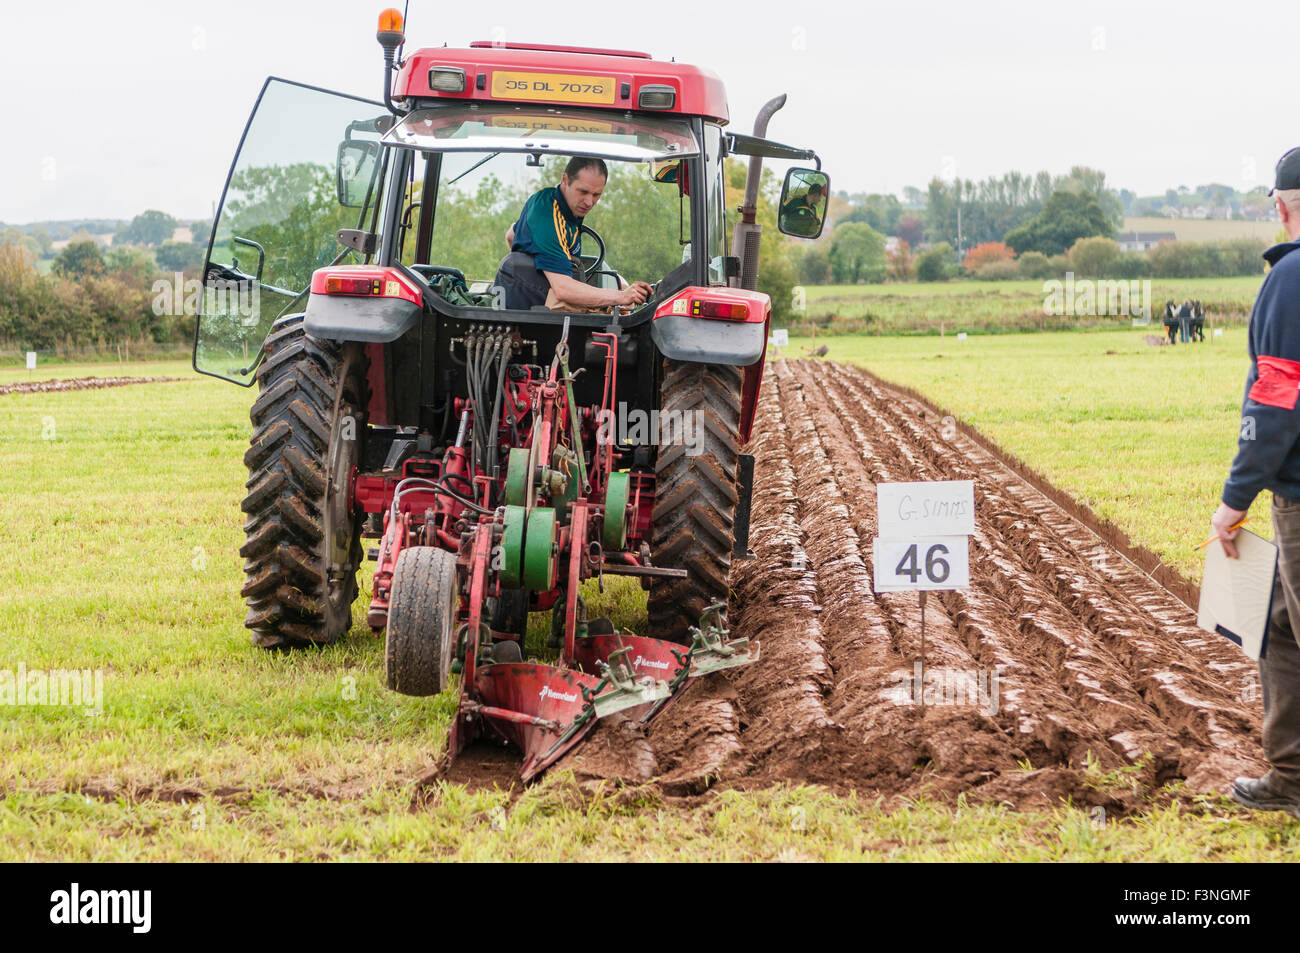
{"points": [[1224, 517], [635, 293]]}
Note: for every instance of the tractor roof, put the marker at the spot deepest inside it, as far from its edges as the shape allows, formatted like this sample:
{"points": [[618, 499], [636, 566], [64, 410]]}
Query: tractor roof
{"points": [[531, 72]]}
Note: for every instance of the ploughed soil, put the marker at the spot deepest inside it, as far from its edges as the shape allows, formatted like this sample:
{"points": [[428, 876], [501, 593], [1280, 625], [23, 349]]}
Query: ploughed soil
{"points": [[77, 383], [1071, 668]]}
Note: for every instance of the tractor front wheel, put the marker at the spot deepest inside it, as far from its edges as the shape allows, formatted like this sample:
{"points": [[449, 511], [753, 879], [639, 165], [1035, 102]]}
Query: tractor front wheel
{"points": [[302, 543], [695, 495]]}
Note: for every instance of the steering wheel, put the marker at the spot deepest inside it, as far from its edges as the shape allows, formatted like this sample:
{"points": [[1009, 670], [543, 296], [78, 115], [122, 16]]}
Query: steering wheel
{"points": [[595, 266]]}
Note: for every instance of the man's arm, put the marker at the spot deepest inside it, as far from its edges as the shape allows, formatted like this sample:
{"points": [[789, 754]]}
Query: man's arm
{"points": [[572, 291], [510, 238]]}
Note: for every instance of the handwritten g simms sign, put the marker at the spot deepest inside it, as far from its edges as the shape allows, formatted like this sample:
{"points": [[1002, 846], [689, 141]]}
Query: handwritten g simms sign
{"points": [[925, 509]]}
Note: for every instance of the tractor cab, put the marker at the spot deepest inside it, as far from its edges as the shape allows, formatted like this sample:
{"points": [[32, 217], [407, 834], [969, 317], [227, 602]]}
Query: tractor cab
{"points": [[333, 196], [499, 449]]}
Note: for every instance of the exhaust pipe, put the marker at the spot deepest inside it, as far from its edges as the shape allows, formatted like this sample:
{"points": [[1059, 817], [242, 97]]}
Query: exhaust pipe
{"points": [[748, 233]]}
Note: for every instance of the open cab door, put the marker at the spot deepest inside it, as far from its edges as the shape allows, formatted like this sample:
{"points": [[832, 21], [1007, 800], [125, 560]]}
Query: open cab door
{"points": [[309, 164]]}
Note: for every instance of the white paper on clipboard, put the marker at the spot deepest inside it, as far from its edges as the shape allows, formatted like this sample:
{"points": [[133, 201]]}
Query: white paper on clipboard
{"points": [[1237, 594]]}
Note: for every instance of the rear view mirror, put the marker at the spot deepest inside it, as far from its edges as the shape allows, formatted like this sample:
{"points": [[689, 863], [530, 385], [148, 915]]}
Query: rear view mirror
{"points": [[672, 171], [803, 203], [358, 168]]}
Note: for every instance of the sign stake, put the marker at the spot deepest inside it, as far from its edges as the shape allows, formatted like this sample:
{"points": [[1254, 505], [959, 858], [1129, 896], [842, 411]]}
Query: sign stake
{"points": [[920, 598]]}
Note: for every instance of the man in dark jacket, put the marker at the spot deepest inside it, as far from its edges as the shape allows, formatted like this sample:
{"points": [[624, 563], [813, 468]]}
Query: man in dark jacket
{"points": [[1268, 458]]}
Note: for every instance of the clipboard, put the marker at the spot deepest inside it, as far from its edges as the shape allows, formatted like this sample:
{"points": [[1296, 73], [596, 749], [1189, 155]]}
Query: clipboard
{"points": [[1237, 594]]}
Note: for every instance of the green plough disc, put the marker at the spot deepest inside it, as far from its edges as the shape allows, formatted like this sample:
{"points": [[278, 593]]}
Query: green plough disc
{"points": [[512, 548], [517, 477], [616, 493], [539, 550]]}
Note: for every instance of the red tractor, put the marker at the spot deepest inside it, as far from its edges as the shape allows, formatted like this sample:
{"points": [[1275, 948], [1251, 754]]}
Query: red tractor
{"points": [[497, 456]]}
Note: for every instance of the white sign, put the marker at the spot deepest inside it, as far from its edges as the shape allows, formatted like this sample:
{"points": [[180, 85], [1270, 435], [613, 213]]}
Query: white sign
{"points": [[961, 335], [923, 562], [1218, 332], [940, 508], [31, 360], [780, 338]]}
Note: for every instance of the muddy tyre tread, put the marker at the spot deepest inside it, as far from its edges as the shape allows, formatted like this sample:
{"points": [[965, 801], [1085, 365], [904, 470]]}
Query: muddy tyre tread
{"points": [[421, 620], [695, 497], [285, 551]]}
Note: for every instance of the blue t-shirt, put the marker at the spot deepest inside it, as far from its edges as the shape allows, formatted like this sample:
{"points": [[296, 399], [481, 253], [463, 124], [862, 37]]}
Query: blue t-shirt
{"points": [[549, 232]]}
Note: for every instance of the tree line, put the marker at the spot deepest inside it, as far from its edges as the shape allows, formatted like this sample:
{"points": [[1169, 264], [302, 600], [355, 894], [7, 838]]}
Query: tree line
{"points": [[1012, 226], [88, 299]]}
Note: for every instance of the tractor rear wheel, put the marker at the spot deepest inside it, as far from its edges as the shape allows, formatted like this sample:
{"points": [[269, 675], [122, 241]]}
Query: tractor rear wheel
{"points": [[695, 495], [418, 643], [302, 543]]}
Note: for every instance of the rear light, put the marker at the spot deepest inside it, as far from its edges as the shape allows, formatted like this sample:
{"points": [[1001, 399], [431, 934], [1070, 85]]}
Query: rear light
{"points": [[352, 286], [719, 309], [656, 97], [446, 79]]}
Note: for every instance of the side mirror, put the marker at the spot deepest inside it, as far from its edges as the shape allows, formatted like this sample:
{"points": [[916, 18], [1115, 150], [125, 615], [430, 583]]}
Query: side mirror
{"points": [[802, 212], [358, 166]]}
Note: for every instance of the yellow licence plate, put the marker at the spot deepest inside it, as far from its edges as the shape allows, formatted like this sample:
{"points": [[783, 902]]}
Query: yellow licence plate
{"points": [[562, 87]]}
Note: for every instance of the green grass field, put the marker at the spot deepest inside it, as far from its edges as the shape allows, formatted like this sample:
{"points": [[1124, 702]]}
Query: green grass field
{"points": [[926, 308], [122, 522]]}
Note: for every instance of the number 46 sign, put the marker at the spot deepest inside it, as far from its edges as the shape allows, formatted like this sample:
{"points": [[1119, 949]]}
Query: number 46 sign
{"points": [[924, 535]]}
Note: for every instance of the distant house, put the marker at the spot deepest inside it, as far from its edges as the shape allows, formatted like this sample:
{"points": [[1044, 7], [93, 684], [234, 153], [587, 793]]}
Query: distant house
{"points": [[103, 240], [1142, 241], [182, 234]]}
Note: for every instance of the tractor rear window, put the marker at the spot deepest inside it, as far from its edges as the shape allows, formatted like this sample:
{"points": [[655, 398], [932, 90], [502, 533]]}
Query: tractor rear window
{"points": [[543, 130]]}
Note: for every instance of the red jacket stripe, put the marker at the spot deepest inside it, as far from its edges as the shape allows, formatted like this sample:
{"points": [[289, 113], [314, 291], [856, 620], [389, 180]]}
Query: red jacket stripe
{"points": [[1278, 384]]}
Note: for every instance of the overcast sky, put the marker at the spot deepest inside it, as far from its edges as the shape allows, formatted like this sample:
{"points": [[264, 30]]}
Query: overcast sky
{"points": [[113, 108]]}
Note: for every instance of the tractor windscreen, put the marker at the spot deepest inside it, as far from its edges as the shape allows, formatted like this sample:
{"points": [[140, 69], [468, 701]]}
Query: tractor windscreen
{"points": [[309, 165], [495, 158]]}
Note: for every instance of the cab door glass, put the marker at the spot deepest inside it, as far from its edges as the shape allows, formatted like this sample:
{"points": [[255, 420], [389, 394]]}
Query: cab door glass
{"points": [[283, 206], [715, 200]]}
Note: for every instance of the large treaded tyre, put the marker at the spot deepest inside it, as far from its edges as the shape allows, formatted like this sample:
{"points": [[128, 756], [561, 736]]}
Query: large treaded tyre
{"points": [[418, 643], [302, 546], [695, 497]]}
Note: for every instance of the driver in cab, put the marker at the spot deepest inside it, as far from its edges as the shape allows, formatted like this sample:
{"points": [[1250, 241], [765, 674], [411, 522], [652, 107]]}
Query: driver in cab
{"points": [[809, 203], [546, 241]]}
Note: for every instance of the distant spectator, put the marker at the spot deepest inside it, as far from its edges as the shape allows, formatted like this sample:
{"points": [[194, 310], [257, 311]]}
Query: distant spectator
{"points": [[1185, 321]]}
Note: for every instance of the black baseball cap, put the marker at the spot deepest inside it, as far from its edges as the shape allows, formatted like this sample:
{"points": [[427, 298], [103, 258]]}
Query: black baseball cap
{"points": [[1288, 172]]}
